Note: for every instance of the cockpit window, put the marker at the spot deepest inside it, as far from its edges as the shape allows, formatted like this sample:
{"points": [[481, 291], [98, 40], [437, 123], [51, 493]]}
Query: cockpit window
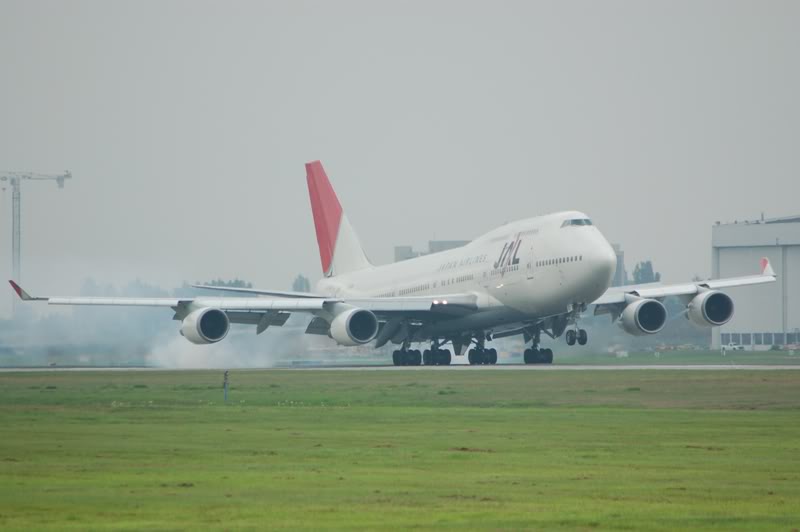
{"points": [[577, 221]]}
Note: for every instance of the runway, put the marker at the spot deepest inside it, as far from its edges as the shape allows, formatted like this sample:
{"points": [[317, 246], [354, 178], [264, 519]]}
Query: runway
{"points": [[455, 367]]}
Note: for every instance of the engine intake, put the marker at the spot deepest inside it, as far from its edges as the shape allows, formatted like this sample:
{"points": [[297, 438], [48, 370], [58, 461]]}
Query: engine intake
{"points": [[710, 309], [644, 316], [354, 326], [205, 326]]}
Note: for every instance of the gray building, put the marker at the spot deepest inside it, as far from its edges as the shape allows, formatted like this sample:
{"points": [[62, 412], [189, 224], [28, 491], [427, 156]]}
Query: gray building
{"points": [[434, 246], [620, 274], [765, 315]]}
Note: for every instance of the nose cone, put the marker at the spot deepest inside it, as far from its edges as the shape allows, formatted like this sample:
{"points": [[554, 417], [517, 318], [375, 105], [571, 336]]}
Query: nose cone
{"points": [[604, 261], [609, 262]]}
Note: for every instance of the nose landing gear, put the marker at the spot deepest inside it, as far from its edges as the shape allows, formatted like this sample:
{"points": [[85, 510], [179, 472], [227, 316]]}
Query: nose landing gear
{"points": [[579, 335]]}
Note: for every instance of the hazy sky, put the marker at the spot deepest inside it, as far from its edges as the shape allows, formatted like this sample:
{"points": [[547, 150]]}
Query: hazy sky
{"points": [[186, 126]]}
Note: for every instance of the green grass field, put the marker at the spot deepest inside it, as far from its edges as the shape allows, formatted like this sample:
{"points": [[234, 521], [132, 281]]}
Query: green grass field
{"points": [[730, 358], [469, 449]]}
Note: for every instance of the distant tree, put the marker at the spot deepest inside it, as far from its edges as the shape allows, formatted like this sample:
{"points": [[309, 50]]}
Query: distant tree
{"points": [[301, 284], [235, 283], [643, 273]]}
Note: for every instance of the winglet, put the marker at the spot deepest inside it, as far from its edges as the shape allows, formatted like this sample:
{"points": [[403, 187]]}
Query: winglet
{"points": [[766, 268], [23, 295]]}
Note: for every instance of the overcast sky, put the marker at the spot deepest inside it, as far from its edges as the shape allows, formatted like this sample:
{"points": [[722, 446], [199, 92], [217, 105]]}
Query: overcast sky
{"points": [[186, 126]]}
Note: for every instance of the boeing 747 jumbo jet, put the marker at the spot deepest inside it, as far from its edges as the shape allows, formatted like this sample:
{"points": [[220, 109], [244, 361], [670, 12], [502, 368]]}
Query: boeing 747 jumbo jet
{"points": [[531, 277]]}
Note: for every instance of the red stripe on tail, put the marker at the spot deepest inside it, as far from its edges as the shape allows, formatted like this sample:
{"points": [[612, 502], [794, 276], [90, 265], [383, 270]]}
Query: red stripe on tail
{"points": [[17, 288], [327, 212]]}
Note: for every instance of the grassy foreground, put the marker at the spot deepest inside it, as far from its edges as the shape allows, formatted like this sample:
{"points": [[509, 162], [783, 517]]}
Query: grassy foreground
{"points": [[635, 450]]}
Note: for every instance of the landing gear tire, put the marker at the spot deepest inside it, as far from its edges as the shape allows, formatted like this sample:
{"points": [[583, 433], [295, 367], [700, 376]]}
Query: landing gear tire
{"points": [[482, 356], [443, 357], [412, 357], [538, 356], [583, 336], [427, 358], [571, 336]]}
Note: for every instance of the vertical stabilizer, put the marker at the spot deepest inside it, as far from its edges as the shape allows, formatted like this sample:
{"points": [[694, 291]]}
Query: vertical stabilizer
{"points": [[339, 248]]}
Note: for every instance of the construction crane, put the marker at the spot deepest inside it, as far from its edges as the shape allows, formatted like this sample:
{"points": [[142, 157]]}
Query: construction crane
{"points": [[15, 179]]}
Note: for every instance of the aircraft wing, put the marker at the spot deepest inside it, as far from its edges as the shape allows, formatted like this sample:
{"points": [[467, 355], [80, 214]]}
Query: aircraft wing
{"points": [[618, 294], [250, 310]]}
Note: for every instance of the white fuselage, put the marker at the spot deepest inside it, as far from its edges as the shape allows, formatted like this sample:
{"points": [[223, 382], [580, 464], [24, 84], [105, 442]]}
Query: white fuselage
{"points": [[531, 268]]}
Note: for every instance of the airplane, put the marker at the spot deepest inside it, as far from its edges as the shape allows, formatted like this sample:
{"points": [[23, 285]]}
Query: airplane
{"points": [[532, 277]]}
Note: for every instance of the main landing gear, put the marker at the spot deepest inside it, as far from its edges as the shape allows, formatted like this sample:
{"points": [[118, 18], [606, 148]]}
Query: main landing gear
{"points": [[429, 357], [481, 355], [437, 357], [579, 335], [407, 357], [538, 356], [534, 355]]}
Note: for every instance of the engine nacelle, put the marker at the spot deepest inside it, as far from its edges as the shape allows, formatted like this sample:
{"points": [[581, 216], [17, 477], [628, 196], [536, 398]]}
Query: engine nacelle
{"points": [[644, 316], [205, 326], [710, 309], [355, 326]]}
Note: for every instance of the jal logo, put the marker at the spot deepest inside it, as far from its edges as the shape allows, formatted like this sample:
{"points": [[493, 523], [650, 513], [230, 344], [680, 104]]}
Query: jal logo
{"points": [[508, 257]]}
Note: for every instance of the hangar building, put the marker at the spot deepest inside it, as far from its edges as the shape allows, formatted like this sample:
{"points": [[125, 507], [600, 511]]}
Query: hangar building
{"points": [[764, 315]]}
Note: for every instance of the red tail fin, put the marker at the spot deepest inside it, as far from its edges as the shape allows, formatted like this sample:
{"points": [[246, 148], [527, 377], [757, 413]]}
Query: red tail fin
{"points": [[327, 212], [339, 248]]}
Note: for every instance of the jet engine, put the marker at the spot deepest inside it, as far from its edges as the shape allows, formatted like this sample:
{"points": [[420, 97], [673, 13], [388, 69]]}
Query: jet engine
{"points": [[710, 309], [205, 326], [644, 316], [354, 326]]}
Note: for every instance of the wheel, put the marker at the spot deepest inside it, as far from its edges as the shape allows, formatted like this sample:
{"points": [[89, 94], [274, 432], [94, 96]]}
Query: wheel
{"points": [[417, 358], [471, 357], [396, 358], [443, 357], [570, 337], [492, 356], [583, 336], [526, 356], [547, 356], [427, 358]]}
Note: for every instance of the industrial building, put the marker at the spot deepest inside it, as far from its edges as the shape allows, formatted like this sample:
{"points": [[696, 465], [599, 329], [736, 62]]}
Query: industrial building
{"points": [[765, 315]]}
